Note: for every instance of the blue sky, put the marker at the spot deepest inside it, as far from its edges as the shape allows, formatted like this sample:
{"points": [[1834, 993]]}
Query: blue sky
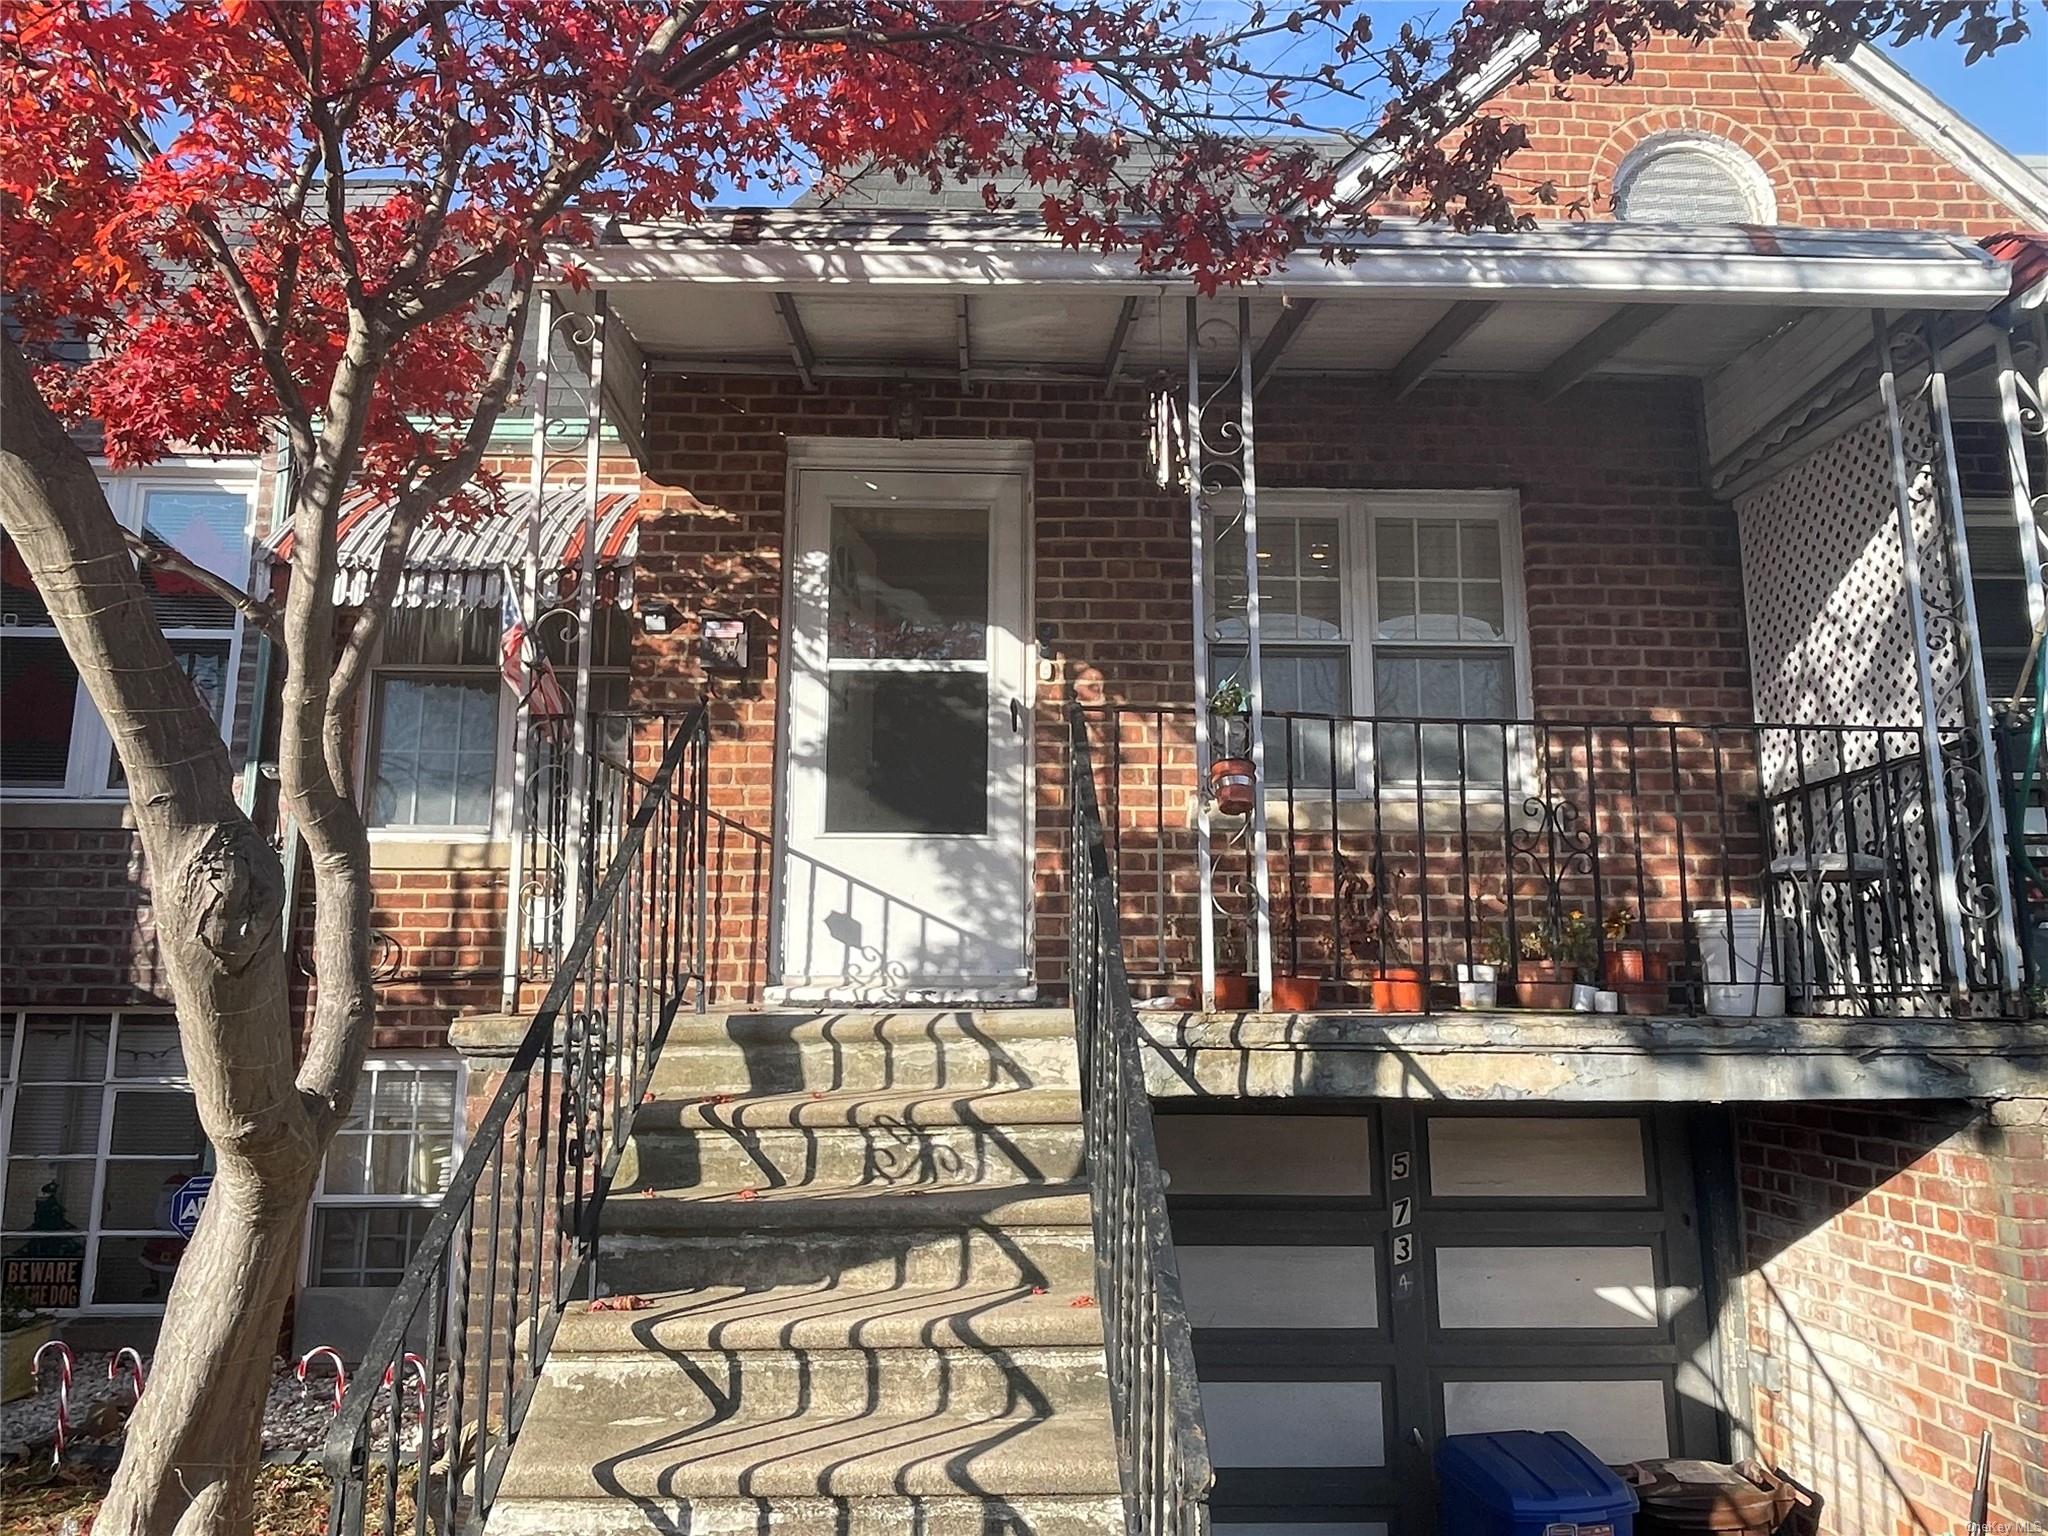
{"points": [[2005, 95]]}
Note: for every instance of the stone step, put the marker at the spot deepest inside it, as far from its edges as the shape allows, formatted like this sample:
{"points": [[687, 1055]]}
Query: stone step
{"points": [[773, 1053], [894, 1152], [843, 1383], [697, 1450], [892, 1515], [1059, 1256], [828, 1315], [987, 1234]]}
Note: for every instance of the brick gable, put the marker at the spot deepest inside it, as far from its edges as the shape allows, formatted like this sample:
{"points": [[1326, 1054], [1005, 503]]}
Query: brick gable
{"points": [[1833, 156]]}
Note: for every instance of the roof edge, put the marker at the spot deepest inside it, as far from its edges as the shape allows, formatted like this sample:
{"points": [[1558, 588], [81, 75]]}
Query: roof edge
{"points": [[1940, 127]]}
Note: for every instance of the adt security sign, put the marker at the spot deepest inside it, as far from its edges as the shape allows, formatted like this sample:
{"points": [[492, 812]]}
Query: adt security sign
{"points": [[188, 1202]]}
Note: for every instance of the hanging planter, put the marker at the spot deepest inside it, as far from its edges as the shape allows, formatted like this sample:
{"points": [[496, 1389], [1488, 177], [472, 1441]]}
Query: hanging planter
{"points": [[1233, 786], [1233, 780]]}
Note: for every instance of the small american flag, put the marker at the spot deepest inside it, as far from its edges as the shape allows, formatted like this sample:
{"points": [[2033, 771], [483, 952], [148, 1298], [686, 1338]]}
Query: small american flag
{"points": [[526, 670]]}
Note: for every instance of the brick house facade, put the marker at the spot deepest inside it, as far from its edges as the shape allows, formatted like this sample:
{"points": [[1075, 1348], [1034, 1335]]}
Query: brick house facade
{"points": [[1871, 1231]]}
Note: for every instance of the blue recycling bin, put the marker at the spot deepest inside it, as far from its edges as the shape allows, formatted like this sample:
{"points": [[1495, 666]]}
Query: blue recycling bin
{"points": [[1519, 1482]]}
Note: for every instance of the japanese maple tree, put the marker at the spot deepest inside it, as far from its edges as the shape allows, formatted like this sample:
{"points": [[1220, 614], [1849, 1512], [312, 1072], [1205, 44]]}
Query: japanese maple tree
{"points": [[326, 218]]}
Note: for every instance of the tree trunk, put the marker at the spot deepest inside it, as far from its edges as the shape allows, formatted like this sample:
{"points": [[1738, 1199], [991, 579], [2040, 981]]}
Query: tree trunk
{"points": [[217, 893], [195, 1440]]}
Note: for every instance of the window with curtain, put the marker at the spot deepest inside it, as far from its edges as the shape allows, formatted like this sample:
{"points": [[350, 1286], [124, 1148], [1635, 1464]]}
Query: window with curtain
{"points": [[434, 731]]}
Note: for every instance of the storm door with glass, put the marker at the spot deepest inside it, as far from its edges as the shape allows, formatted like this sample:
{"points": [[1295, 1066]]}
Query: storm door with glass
{"points": [[906, 866]]}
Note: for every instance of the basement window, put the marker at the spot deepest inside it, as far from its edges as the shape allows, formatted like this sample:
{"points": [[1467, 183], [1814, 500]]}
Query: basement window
{"points": [[385, 1172], [100, 1131]]}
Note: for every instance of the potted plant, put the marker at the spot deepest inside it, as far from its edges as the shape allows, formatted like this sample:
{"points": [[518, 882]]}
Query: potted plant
{"points": [[1479, 980], [1580, 945], [1543, 975], [1398, 985], [1297, 994], [1233, 785], [23, 1331], [1233, 980], [1640, 978]]}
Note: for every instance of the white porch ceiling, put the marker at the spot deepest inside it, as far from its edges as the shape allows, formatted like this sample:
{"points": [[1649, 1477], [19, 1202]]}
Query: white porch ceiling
{"points": [[887, 294]]}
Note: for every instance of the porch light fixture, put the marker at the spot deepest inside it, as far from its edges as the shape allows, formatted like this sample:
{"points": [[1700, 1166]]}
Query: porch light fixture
{"points": [[658, 617]]}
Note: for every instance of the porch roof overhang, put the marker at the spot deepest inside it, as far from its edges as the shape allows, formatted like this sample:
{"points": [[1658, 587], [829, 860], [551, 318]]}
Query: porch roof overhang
{"points": [[824, 293]]}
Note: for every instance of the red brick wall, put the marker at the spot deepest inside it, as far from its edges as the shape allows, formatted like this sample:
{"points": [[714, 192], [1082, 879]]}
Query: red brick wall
{"points": [[1898, 1284], [1632, 572], [75, 910], [1833, 157]]}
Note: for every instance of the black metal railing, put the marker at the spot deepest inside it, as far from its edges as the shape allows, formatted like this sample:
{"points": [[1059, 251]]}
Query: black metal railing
{"points": [[1416, 864], [549, 824], [515, 1237], [1162, 1448]]}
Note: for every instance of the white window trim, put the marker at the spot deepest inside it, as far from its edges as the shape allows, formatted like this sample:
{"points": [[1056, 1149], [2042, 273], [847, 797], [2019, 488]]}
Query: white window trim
{"points": [[92, 746], [1357, 513], [1754, 181], [388, 1061], [110, 1085]]}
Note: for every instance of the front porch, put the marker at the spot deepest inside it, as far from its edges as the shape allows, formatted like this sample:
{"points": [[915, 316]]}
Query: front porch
{"points": [[1604, 609]]}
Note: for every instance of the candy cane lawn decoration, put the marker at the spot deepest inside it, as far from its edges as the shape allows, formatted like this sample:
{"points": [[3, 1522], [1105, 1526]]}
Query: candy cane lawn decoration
{"points": [[340, 1371], [127, 1360], [63, 1392]]}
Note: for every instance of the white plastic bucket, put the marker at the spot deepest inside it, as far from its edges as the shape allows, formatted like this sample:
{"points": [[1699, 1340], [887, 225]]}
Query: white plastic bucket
{"points": [[1741, 973]]}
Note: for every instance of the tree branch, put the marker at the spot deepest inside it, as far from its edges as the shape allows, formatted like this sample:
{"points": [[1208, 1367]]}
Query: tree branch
{"points": [[261, 614]]}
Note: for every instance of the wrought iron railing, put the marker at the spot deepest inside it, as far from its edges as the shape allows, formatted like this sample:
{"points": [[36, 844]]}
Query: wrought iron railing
{"points": [[515, 1237], [1420, 864], [1162, 1448], [552, 818]]}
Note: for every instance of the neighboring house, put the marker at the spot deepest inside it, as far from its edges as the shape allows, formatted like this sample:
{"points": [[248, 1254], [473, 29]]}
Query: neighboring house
{"points": [[1608, 615]]}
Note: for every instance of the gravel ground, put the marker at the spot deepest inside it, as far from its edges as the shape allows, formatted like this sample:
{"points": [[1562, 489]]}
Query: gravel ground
{"points": [[295, 1419]]}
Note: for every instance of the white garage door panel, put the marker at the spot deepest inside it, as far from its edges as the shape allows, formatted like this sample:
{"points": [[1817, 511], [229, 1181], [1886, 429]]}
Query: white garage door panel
{"points": [[1295, 1423], [1537, 1157], [1266, 1154], [1551, 1287], [1617, 1420], [1279, 1287]]}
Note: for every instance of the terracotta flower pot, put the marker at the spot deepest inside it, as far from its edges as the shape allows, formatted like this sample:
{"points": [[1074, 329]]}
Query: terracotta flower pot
{"points": [[1622, 966], [1544, 984], [1400, 989], [1233, 993], [1232, 786], [1297, 994], [1645, 1000]]}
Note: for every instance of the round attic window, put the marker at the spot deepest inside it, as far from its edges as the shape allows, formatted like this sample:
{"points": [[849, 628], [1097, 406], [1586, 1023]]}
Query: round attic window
{"points": [[1692, 178]]}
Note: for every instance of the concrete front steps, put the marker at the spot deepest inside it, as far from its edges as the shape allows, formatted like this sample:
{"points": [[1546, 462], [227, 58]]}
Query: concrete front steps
{"points": [[861, 1250]]}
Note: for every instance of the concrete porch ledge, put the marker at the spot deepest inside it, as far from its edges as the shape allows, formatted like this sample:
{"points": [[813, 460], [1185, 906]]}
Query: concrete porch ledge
{"points": [[1581, 1058]]}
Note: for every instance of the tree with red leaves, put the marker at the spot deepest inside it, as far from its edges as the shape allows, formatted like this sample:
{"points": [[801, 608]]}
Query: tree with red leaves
{"points": [[326, 218]]}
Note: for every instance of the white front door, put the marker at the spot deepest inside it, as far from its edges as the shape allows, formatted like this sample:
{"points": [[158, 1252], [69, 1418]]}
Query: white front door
{"points": [[906, 869]]}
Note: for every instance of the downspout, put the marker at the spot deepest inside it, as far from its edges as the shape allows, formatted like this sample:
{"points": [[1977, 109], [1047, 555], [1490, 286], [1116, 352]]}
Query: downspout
{"points": [[284, 497], [586, 595]]}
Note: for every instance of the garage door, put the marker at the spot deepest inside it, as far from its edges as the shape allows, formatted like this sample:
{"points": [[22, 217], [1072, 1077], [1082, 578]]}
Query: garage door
{"points": [[1363, 1280]]}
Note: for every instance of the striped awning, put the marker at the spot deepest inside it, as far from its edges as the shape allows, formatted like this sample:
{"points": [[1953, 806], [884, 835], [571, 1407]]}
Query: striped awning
{"points": [[458, 564]]}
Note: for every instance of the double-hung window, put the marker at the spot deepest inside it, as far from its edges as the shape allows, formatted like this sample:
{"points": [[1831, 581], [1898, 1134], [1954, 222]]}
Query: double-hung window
{"points": [[385, 1172], [52, 742], [1392, 616], [433, 750]]}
